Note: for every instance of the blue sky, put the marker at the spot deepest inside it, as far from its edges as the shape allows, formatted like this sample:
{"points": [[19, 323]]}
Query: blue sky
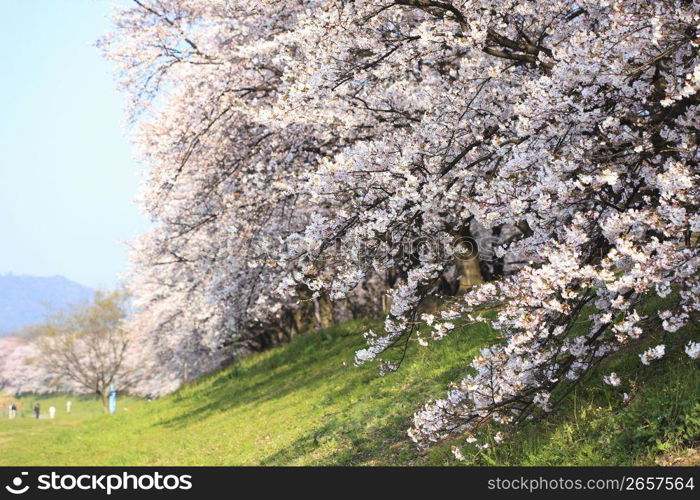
{"points": [[67, 175]]}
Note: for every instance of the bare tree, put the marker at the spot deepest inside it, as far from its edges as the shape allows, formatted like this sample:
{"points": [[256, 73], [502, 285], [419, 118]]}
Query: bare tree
{"points": [[87, 348]]}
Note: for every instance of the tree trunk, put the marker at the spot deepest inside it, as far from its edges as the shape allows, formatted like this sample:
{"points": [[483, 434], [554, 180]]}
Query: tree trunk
{"points": [[386, 303], [104, 395], [285, 328], [300, 318], [469, 273], [467, 261], [323, 309]]}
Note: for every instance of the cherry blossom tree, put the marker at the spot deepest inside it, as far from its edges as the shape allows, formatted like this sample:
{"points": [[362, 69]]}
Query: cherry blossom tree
{"points": [[223, 181], [84, 349], [87, 346], [302, 151], [20, 369], [566, 121]]}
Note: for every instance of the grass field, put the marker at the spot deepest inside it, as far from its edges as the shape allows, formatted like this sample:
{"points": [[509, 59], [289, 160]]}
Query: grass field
{"points": [[304, 403]]}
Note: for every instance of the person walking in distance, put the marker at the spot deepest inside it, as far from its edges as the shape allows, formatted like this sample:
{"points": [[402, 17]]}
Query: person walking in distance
{"points": [[37, 410]]}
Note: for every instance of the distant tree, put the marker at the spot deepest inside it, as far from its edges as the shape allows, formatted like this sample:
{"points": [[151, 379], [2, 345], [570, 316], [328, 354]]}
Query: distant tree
{"points": [[19, 370], [88, 347]]}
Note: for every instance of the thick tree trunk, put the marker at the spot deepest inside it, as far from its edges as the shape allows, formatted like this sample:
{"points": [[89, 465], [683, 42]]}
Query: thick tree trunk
{"points": [[386, 303], [323, 309], [288, 329], [304, 316], [300, 318], [469, 273], [467, 261]]}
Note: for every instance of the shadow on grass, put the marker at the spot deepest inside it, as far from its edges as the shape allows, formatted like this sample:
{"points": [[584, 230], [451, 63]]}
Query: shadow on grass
{"points": [[350, 397], [281, 372]]}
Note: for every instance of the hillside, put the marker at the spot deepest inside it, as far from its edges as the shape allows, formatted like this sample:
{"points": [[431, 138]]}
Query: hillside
{"points": [[27, 299], [304, 403]]}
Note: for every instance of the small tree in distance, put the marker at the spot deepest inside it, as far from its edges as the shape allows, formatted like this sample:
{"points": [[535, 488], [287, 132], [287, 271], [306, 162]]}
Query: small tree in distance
{"points": [[87, 347]]}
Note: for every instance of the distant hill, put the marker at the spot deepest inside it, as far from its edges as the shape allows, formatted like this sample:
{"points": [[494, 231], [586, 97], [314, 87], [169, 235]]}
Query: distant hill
{"points": [[27, 299]]}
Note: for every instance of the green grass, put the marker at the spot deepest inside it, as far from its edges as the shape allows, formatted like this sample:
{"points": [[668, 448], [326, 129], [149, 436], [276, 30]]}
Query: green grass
{"points": [[305, 403]]}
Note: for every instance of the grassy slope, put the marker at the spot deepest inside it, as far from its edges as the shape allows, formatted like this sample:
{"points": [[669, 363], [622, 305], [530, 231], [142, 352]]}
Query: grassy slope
{"points": [[306, 404]]}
